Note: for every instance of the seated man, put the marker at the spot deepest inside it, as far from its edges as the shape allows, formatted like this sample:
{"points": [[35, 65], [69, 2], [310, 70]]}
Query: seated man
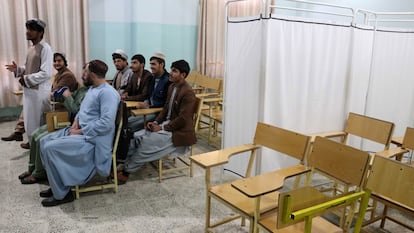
{"points": [[137, 89], [173, 129], [124, 73], [157, 94], [72, 156], [36, 172]]}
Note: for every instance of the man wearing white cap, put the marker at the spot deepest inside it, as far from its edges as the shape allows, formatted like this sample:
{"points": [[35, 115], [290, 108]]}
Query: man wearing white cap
{"points": [[158, 88], [122, 77], [35, 77]]}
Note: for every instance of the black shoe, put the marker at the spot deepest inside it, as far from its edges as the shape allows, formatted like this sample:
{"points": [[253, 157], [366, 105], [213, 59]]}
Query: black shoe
{"points": [[24, 175], [25, 146], [46, 193], [31, 180], [13, 137], [51, 201]]}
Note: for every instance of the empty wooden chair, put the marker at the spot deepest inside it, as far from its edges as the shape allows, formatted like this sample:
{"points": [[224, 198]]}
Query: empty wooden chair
{"points": [[407, 144], [112, 182], [391, 183], [192, 80], [366, 128], [332, 159], [212, 88], [280, 140]]}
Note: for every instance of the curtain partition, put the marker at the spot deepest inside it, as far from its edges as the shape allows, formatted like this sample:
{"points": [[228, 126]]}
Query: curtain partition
{"points": [[307, 75]]}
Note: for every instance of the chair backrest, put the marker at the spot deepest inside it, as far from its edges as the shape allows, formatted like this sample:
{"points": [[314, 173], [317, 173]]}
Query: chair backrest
{"points": [[341, 162], [408, 141], [393, 181], [370, 128], [192, 77], [57, 120], [209, 83], [281, 140]]}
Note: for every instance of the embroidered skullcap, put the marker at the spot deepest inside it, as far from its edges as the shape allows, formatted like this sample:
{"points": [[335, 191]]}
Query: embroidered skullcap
{"points": [[36, 24], [119, 53], [62, 55], [159, 55]]}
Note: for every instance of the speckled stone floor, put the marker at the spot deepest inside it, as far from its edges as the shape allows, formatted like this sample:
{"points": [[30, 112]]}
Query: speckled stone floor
{"points": [[142, 205]]}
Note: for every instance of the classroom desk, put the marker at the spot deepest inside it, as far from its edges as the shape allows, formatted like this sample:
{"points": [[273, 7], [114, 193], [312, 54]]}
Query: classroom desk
{"points": [[18, 92], [144, 112], [398, 141], [132, 104]]}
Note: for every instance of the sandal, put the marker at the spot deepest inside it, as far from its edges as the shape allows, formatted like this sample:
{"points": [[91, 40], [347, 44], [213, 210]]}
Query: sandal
{"points": [[24, 175]]}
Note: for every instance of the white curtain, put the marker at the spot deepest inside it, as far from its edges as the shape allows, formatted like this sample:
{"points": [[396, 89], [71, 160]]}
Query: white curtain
{"points": [[242, 85], [66, 32], [391, 94], [312, 74]]}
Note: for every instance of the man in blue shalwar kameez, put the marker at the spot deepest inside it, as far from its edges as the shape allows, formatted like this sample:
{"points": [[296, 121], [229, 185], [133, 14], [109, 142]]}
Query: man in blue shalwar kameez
{"points": [[72, 156]]}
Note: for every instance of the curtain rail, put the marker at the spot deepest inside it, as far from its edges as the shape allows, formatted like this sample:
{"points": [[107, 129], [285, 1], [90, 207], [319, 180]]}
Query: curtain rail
{"points": [[312, 11]]}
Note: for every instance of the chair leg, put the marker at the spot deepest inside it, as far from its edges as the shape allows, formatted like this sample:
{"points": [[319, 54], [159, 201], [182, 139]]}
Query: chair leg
{"points": [[160, 170], [384, 214], [77, 191], [191, 169]]}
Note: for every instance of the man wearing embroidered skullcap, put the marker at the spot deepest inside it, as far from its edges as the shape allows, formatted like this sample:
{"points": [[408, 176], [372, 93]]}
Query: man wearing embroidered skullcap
{"points": [[172, 132], [157, 92], [124, 73], [35, 77]]}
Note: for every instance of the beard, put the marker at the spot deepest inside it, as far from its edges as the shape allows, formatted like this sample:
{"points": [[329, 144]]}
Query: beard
{"points": [[87, 82]]}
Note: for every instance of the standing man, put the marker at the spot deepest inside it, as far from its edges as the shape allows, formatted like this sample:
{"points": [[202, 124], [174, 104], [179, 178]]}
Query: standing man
{"points": [[172, 131], [71, 156], [122, 77], [35, 78], [137, 88], [157, 95]]}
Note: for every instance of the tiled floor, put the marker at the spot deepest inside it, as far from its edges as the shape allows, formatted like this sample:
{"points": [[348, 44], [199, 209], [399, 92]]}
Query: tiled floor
{"points": [[142, 205]]}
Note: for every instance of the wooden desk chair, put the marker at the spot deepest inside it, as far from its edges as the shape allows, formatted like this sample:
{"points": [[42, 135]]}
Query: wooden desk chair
{"points": [[112, 182], [365, 127], [214, 114], [391, 183], [212, 88], [406, 144], [332, 159], [144, 112], [192, 80], [187, 165], [277, 139], [57, 120]]}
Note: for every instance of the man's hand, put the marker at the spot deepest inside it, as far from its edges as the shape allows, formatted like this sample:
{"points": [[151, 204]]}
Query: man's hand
{"points": [[153, 126], [12, 67], [74, 129], [21, 81], [143, 105], [66, 93], [124, 96]]}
